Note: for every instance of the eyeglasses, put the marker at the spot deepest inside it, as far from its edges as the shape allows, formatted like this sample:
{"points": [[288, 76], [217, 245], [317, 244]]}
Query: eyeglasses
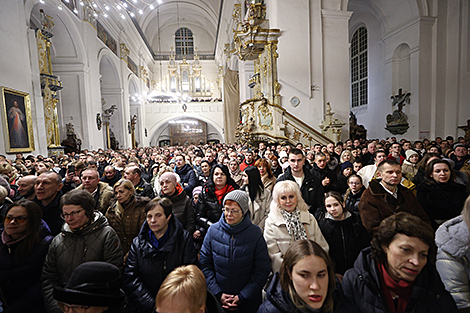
{"points": [[75, 308], [227, 211], [71, 214], [19, 219]]}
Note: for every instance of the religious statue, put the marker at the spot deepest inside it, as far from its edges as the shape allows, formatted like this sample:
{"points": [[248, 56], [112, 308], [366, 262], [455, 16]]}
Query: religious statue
{"points": [[46, 21], [356, 131], [397, 122]]}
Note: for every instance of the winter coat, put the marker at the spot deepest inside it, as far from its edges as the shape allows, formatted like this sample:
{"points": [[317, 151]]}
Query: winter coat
{"points": [[453, 259], [409, 170], [351, 202], [188, 178], [362, 288], [377, 204], [20, 279], [113, 180], [441, 201], [146, 267], [96, 242], [208, 207], [321, 174], [259, 209], [419, 177], [144, 189], [237, 177], [51, 214], [104, 197], [276, 171], [127, 220], [268, 183], [235, 261], [345, 238], [311, 189], [278, 239], [183, 209]]}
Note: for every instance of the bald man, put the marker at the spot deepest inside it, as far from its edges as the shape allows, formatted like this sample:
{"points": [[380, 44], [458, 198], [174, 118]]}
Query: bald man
{"points": [[26, 187]]}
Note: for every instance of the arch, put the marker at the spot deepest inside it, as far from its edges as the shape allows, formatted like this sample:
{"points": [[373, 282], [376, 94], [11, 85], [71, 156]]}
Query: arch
{"points": [[401, 68]]}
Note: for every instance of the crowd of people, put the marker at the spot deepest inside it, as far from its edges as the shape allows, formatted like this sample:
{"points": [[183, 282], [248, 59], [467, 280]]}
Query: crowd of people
{"points": [[359, 226]]}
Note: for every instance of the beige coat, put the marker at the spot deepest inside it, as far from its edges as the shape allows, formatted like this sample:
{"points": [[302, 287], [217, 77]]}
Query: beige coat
{"points": [[278, 239], [259, 209]]}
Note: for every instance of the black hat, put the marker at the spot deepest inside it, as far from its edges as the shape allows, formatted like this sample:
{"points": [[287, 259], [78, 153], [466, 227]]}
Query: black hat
{"points": [[93, 284]]}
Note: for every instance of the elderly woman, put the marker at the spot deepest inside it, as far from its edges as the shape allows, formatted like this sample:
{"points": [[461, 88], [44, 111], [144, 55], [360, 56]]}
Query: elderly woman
{"points": [[267, 177], [23, 248], [305, 282], [127, 214], [161, 246], [86, 236], [453, 255], [234, 257], [288, 221], [394, 275], [440, 196]]}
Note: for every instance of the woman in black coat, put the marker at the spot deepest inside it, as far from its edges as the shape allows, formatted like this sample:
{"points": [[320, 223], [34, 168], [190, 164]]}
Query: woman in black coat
{"points": [[344, 233], [440, 196], [209, 204], [23, 248], [353, 194], [161, 246]]}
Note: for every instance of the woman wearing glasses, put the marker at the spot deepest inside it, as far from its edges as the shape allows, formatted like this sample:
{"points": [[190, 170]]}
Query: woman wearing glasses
{"points": [[24, 245], [86, 236], [234, 257]]}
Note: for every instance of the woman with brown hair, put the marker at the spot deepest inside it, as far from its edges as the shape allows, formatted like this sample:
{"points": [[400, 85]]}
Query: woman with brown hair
{"points": [[267, 176], [305, 282]]}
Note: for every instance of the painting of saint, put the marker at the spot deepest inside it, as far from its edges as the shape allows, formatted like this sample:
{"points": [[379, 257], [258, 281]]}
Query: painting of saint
{"points": [[17, 126]]}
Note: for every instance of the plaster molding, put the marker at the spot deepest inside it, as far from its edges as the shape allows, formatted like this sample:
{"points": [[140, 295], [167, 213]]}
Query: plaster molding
{"points": [[407, 25], [336, 14]]}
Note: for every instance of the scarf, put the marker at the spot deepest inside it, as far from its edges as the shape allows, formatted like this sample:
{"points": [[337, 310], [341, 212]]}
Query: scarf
{"points": [[220, 193], [158, 243], [295, 228], [402, 291], [235, 172], [7, 240]]}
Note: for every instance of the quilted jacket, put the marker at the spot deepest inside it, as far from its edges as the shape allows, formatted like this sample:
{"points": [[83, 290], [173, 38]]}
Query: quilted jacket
{"points": [[235, 261], [127, 220], [453, 259], [147, 267], [188, 178], [96, 242]]}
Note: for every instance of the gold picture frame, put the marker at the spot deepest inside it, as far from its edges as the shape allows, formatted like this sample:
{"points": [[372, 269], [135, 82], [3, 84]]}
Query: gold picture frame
{"points": [[17, 121]]}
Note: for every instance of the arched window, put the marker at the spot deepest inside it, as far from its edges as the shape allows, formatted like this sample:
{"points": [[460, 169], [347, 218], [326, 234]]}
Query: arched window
{"points": [[359, 67], [184, 41]]}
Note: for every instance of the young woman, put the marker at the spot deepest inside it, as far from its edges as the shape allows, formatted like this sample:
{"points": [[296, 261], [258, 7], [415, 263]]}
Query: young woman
{"points": [[305, 282], [267, 176], [344, 233], [259, 198], [23, 248], [439, 195], [275, 166], [345, 156], [289, 220], [410, 165], [397, 274], [353, 194], [203, 176], [235, 172], [420, 174]]}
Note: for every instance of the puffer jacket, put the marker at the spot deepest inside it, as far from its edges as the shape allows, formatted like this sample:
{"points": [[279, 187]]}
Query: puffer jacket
{"points": [[235, 261], [103, 197], [127, 220], [96, 242], [188, 178], [146, 267], [20, 279], [409, 170], [351, 202], [453, 259], [345, 238], [182, 208], [362, 287]]}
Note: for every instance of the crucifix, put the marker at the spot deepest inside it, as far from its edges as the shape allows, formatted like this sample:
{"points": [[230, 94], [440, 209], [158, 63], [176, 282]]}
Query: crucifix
{"points": [[466, 129]]}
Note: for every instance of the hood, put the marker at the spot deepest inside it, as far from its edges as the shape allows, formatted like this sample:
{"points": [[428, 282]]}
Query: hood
{"points": [[244, 224], [453, 236], [176, 232], [99, 221]]}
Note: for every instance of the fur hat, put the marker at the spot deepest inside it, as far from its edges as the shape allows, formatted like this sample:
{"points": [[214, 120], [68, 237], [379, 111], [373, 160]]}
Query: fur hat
{"points": [[169, 176], [240, 197], [93, 284]]}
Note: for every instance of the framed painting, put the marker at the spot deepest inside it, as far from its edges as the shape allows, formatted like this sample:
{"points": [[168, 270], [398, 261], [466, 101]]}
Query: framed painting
{"points": [[17, 121]]}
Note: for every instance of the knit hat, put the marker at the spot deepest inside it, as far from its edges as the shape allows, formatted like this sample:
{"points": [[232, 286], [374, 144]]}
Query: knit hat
{"points": [[282, 154], [169, 176], [345, 165], [458, 144], [240, 197], [197, 190], [409, 153], [93, 284]]}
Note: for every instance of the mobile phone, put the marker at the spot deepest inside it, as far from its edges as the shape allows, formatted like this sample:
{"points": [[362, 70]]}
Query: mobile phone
{"points": [[71, 168]]}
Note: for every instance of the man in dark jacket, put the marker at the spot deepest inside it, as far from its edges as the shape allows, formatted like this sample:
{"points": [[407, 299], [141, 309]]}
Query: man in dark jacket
{"points": [[161, 246], [322, 173], [234, 257], [187, 175], [111, 175], [48, 193], [311, 189], [386, 196], [142, 188]]}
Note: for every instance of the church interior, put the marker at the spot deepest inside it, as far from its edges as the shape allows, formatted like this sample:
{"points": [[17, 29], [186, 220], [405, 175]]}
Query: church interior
{"points": [[120, 74]]}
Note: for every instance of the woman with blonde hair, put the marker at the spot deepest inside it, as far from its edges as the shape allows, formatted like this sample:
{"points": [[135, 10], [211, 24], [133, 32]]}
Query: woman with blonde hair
{"points": [[453, 255], [345, 156], [289, 220]]}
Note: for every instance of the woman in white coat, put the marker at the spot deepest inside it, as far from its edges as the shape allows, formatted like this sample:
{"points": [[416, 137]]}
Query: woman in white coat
{"points": [[288, 221]]}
